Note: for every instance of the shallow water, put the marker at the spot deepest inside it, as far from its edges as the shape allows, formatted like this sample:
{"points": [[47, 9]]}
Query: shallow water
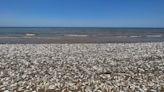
{"points": [[80, 35]]}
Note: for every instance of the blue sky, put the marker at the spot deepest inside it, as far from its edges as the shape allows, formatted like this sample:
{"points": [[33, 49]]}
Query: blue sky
{"points": [[82, 13]]}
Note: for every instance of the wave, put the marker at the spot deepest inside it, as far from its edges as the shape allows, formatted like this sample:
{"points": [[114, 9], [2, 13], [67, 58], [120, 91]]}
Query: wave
{"points": [[75, 35], [134, 36], [153, 35], [30, 35], [122, 36]]}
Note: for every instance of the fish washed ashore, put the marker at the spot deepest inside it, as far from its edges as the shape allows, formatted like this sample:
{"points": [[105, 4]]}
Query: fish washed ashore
{"points": [[110, 67]]}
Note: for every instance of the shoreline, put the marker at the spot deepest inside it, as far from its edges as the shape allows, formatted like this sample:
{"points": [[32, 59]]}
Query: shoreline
{"points": [[74, 40]]}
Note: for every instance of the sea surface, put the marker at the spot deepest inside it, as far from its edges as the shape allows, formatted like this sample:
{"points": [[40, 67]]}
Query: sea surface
{"points": [[25, 35]]}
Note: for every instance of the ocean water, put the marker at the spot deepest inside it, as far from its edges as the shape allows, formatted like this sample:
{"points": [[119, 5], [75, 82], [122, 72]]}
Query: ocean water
{"points": [[79, 34]]}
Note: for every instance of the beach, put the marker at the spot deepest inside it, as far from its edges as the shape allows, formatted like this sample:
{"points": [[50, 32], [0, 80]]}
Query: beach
{"points": [[87, 67], [82, 46]]}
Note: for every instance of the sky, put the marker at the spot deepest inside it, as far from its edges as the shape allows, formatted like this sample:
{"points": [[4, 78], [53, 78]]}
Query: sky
{"points": [[82, 13]]}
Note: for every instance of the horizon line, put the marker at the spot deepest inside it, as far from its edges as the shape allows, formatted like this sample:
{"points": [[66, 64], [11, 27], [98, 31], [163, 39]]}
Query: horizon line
{"points": [[69, 27]]}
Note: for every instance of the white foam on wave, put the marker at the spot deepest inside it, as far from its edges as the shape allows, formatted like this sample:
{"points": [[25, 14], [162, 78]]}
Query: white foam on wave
{"points": [[121, 36], [134, 36], [153, 35], [30, 35], [75, 35]]}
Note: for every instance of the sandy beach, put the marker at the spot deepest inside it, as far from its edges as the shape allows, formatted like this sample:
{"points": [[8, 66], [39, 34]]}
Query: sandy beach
{"points": [[110, 67]]}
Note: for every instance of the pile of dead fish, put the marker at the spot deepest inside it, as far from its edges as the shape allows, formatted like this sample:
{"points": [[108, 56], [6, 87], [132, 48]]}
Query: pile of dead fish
{"points": [[113, 67]]}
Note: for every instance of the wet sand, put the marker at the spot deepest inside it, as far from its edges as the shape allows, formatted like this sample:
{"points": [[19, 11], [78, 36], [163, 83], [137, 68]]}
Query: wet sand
{"points": [[77, 39]]}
